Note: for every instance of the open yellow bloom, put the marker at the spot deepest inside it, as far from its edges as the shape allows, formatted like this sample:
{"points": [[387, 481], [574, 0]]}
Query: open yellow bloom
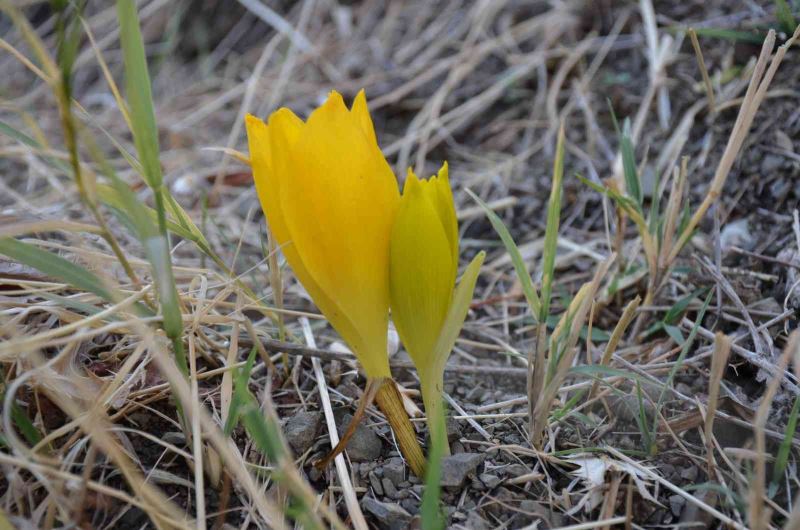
{"points": [[330, 199], [427, 308]]}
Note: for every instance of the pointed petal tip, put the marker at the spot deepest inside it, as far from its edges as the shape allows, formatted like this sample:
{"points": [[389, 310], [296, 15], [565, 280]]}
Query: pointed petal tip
{"points": [[334, 100], [412, 183], [444, 171], [361, 97], [253, 123]]}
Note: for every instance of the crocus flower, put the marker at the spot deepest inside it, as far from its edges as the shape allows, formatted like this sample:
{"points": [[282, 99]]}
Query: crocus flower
{"points": [[427, 309], [330, 200]]}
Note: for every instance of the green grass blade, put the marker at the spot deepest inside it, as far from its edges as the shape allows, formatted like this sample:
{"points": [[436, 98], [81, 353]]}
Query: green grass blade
{"points": [[55, 266], [785, 17], [551, 231], [23, 138], [641, 420], [182, 219], [782, 457], [516, 258], [140, 97], [454, 320], [654, 220], [729, 34], [157, 250], [145, 136], [142, 219], [68, 38], [679, 361], [237, 400], [676, 311], [19, 418], [632, 184], [62, 270]]}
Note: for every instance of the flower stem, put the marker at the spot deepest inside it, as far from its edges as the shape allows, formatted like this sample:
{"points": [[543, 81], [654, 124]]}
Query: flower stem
{"points": [[431, 389], [391, 404]]}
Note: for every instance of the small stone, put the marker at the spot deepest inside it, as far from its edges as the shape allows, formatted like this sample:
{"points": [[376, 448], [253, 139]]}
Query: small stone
{"points": [[455, 468], [770, 163], [736, 234], [453, 430], [389, 516], [536, 511], [476, 522], [515, 470], [676, 504], [175, 438], [411, 505], [489, 480], [364, 445], [472, 393], [301, 429], [504, 497], [375, 482], [394, 470], [689, 474], [349, 389], [389, 489]]}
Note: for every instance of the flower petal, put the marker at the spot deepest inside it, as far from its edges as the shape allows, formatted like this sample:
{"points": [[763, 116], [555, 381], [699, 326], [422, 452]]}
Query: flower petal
{"points": [[360, 111], [339, 206], [283, 130], [421, 265], [445, 206]]}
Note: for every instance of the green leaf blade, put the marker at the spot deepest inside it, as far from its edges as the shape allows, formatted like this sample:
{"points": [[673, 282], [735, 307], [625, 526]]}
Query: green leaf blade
{"points": [[513, 251]]}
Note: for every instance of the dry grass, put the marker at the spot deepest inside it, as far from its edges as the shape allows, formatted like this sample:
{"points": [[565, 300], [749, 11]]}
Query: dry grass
{"points": [[663, 398]]}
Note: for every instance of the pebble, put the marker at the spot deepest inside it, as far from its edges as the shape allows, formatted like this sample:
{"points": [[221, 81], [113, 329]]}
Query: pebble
{"points": [[770, 163], [489, 480], [503, 496], [456, 468], [676, 504], [515, 470], [689, 474], [375, 483], [394, 470], [301, 430], [389, 489], [537, 511], [453, 430], [476, 522], [389, 516], [364, 445], [411, 505]]}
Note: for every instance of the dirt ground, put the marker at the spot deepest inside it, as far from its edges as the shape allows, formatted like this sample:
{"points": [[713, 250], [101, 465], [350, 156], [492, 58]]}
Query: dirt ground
{"points": [[485, 86]]}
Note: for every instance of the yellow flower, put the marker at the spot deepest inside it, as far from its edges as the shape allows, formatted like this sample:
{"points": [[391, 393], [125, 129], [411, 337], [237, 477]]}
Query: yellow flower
{"points": [[330, 199], [427, 309]]}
